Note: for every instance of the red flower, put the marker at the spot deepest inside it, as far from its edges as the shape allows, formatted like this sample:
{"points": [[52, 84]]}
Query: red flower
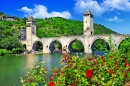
{"points": [[110, 71], [51, 77], [51, 84], [110, 56], [95, 57], [89, 59], [125, 59], [125, 75], [104, 60], [126, 64], [62, 72], [89, 73], [30, 80], [102, 57], [72, 84]]}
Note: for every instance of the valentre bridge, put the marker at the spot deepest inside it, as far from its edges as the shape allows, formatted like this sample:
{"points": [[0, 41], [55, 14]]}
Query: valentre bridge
{"points": [[87, 39]]}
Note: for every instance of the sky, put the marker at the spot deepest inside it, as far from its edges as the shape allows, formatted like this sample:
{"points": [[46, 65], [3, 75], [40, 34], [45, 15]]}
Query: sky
{"points": [[113, 14]]}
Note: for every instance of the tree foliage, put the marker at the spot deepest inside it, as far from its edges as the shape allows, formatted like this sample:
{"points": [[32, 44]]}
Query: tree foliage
{"points": [[9, 36]]}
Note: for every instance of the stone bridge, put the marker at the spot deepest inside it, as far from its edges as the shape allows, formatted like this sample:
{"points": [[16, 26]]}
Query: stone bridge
{"points": [[87, 39]]}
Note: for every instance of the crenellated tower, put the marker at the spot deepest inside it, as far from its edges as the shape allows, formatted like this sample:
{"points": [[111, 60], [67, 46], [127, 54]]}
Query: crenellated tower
{"points": [[88, 23]]}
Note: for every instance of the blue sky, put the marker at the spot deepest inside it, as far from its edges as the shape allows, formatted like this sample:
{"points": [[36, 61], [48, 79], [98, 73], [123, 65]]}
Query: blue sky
{"points": [[114, 14]]}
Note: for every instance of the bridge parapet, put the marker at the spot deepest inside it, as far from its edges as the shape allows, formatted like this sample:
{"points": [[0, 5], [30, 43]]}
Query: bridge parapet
{"points": [[126, 35]]}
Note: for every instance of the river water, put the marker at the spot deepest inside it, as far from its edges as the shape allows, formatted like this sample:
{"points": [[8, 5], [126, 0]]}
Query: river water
{"points": [[13, 67]]}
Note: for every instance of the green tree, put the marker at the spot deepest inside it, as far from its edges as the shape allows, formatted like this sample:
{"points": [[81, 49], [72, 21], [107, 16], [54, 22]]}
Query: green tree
{"points": [[11, 42]]}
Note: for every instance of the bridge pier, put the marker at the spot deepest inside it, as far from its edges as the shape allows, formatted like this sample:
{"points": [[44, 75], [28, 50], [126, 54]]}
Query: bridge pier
{"points": [[29, 47], [46, 49], [65, 48], [87, 48]]}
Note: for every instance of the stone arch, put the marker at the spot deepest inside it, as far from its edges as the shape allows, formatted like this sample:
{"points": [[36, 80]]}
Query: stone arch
{"points": [[71, 42], [122, 39], [34, 45], [24, 45], [98, 38], [52, 46]]}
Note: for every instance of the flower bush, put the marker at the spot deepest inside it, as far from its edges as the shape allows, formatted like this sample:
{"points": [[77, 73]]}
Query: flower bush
{"points": [[112, 69], [36, 76]]}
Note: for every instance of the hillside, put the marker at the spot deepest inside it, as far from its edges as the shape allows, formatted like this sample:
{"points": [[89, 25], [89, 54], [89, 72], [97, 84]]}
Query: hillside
{"points": [[54, 27], [58, 26]]}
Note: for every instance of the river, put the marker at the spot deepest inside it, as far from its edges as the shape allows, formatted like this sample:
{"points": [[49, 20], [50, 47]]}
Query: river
{"points": [[13, 67]]}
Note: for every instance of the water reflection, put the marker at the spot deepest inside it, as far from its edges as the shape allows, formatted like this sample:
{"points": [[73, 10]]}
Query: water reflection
{"points": [[31, 60]]}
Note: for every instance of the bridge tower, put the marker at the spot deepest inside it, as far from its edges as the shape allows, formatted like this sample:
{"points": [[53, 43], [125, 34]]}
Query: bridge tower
{"points": [[30, 30], [88, 23]]}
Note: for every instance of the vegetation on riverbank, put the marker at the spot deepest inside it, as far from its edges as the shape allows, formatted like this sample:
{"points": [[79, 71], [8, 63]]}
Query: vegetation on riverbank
{"points": [[112, 69], [9, 37], [4, 51]]}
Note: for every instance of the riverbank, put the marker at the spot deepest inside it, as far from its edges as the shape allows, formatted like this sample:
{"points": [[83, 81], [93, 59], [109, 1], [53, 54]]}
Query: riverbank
{"points": [[36, 52]]}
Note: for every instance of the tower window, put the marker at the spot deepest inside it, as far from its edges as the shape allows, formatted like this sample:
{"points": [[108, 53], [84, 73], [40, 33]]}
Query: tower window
{"points": [[91, 32], [86, 21]]}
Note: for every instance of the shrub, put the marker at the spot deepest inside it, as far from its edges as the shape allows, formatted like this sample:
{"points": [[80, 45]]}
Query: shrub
{"points": [[36, 76]]}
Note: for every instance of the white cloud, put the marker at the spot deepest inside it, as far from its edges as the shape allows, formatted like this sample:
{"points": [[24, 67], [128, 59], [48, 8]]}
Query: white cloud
{"points": [[99, 8], [116, 19], [82, 5], [26, 10], [40, 11]]}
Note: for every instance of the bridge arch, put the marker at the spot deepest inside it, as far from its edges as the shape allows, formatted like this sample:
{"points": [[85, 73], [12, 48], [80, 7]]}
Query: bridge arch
{"points": [[96, 39], [54, 46], [71, 42], [122, 40], [24, 45], [37, 45]]}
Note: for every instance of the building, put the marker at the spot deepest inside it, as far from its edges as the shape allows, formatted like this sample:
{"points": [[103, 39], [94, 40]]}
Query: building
{"points": [[11, 18], [22, 33]]}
